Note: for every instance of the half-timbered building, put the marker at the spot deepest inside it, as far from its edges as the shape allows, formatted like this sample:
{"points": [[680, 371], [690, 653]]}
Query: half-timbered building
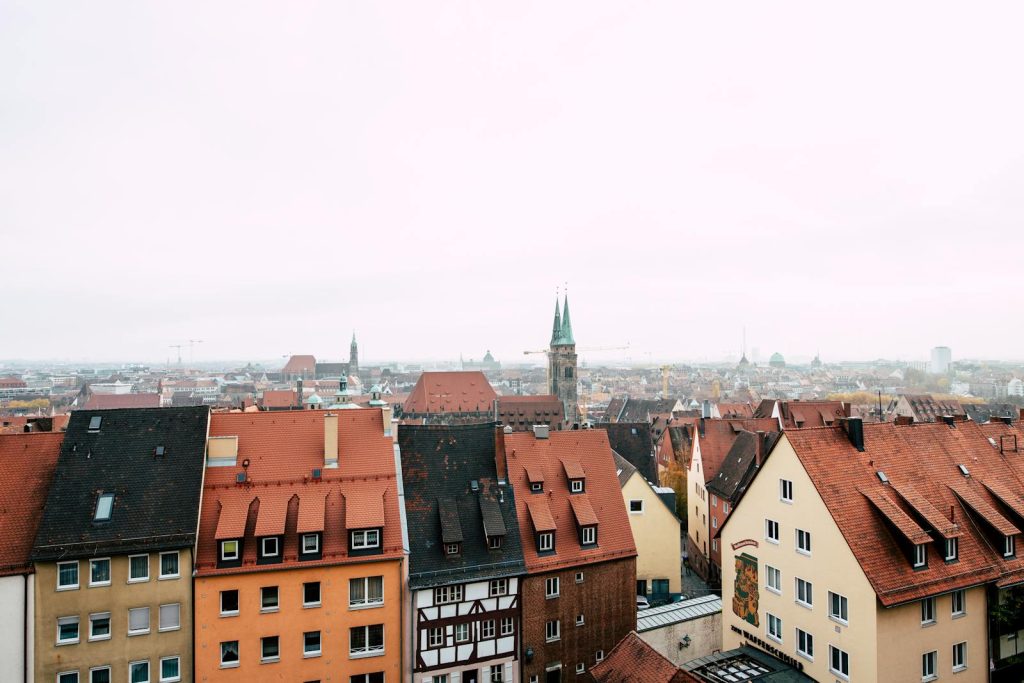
{"points": [[465, 561]]}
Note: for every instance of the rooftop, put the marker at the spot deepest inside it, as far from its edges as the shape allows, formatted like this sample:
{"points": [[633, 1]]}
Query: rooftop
{"points": [[27, 462]]}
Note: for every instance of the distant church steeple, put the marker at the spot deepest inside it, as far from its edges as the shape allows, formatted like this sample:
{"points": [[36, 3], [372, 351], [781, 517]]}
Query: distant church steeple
{"points": [[562, 364], [353, 356]]}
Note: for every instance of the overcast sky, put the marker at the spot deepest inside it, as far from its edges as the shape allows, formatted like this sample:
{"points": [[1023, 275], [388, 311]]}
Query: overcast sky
{"points": [[268, 176]]}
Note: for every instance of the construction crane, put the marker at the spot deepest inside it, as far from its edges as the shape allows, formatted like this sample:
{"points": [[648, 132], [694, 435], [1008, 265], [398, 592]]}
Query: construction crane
{"points": [[177, 346], [586, 350], [191, 356]]}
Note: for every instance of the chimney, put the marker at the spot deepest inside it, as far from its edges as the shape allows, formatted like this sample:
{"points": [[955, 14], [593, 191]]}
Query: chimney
{"points": [[298, 394], [1005, 419], [854, 427], [700, 427], [705, 409], [904, 420], [330, 439], [541, 431], [949, 420], [386, 413], [759, 447]]}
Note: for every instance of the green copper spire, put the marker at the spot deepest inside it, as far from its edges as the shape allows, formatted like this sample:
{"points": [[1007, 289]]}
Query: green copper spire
{"points": [[566, 335], [556, 330]]}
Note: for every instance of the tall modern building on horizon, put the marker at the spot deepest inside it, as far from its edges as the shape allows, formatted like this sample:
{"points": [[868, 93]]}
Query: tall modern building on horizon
{"points": [[940, 361]]}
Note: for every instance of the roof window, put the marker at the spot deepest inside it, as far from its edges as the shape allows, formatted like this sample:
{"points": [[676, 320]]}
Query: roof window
{"points": [[104, 506], [160, 450], [94, 423]]}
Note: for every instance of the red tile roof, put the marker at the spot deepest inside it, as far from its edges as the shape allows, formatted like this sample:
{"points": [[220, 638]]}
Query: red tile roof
{"points": [[522, 451], [283, 398], [803, 414], [582, 510], [922, 463], [27, 462], [634, 661], [283, 448], [114, 401], [300, 365], [720, 434], [451, 392]]}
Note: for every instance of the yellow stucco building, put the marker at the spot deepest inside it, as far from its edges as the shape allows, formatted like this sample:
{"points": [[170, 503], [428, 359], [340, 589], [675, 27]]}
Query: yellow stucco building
{"points": [[656, 531]]}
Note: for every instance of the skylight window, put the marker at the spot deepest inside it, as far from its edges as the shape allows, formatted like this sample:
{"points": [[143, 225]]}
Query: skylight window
{"points": [[160, 450], [964, 471], [94, 423], [104, 506]]}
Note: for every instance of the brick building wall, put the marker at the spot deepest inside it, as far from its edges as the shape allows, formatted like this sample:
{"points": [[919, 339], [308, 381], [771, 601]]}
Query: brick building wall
{"points": [[606, 597]]}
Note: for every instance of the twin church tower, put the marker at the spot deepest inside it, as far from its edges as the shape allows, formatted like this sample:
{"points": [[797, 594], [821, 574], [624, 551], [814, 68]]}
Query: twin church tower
{"points": [[562, 364]]}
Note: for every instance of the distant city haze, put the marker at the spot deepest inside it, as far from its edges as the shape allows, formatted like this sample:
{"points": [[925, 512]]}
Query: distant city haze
{"points": [[269, 177]]}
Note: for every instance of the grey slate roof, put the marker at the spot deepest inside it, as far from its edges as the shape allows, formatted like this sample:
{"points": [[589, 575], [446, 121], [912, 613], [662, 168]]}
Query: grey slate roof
{"points": [[156, 497], [633, 442], [442, 463], [676, 612]]}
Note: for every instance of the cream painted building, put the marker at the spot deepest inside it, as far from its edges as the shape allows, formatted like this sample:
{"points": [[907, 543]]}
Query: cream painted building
{"points": [[838, 562], [656, 531]]}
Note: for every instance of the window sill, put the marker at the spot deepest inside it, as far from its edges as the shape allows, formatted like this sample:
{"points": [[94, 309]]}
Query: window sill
{"points": [[138, 633], [959, 615], [958, 669], [926, 679], [775, 638], [787, 501], [229, 614], [68, 642], [310, 655], [928, 624], [806, 656], [170, 680], [99, 584], [842, 676], [229, 665], [67, 588], [93, 639], [269, 610], [551, 597], [772, 541], [364, 655], [166, 629], [552, 640], [841, 622], [806, 553], [776, 591], [169, 577], [372, 605], [145, 580], [804, 604], [311, 605], [269, 660]]}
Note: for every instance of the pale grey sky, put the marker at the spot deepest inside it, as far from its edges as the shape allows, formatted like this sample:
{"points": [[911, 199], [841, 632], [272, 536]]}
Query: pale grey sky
{"points": [[268, 176]]}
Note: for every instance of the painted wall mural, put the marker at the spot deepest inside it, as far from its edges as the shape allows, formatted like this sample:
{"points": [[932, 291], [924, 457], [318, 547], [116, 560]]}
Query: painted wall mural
{"points": [[745, 592]]}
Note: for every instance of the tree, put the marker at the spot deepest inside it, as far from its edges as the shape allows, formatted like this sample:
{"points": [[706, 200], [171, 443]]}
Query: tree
{"points": [[675, 478]]}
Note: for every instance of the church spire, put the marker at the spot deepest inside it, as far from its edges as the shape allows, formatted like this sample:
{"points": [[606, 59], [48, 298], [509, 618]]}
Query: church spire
{"points": [[566, 336], [556, 330]]}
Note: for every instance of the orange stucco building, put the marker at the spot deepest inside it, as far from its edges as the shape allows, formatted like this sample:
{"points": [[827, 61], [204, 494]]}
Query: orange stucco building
{"points": [[300, 561]]}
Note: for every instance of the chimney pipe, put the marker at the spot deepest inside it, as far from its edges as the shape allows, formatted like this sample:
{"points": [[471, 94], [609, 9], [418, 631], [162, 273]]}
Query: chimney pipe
{"points": [[330, 439], [705, 409], [759, 448], [854, 427]]}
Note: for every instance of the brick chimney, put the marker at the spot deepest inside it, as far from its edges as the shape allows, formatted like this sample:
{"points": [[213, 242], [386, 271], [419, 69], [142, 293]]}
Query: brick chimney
{"points": [[759, 439], [330, 439]]}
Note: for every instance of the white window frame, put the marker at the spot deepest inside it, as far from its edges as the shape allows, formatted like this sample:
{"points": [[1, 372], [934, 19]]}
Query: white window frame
{"points": [[446, 595], [264, 659], [834, 653], [927, 611], [110, 568], [368, 651], [552, 587], [507, 626], [771, 525], [488, 629], [164, 577], [552, 634], [786, 487], [580, 667], [843, 615], [952, 549], [95, 616], [170, 679], [435, 637], [930, 665], [103, 496], [451, 548], [462, 632], [545, 541], [97, 669], [963, 656], [69, 673], [138, 579], [725, 507], [364, 537], [576, 486], [63, 621], [536, 487], [961, 597], [773, 627], [238, 655], [224, 556], [238, 604], [804, 638], [497, 587], [149, 621], [78, 576], [1009, 546], [315, 603], [599, 655], [579, 577], [366, 602], [160, 618], [808, 592], [777, 587], [920, 556], [803, 538], [277, 546], [580, 620], [639, 511], [316, 544], [589, 535], [272, 608], [319, 648], [149, 670]]}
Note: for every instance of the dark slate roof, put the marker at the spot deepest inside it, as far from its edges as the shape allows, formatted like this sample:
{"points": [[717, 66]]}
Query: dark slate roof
{"points": [[632, 440], [623, 467], [982, 413], [739, 465], [440, 464], [156, 503]]}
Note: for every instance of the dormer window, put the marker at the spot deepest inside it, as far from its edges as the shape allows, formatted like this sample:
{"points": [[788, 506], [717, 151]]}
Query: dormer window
{"points": [[270, 546], [920, 556], [536, 487], [104, 507], [588, 535], [576, 486], [452, 549], [229, 550], [545, 541], [952, 549], [1009, 546], [310, 544], [364, 539], [494, 542]]}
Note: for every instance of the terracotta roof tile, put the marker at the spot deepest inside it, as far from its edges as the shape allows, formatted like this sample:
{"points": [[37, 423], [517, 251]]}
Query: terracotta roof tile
{"points": [[633, 660], [231, 521], [974, 500], [450, 392], [899, 519], [273, 510], [364, 507], [573, 469], [582, 509], [114, 401], [943, 526], [311, 513], [27, 462], [524, 452], [718, 437]]}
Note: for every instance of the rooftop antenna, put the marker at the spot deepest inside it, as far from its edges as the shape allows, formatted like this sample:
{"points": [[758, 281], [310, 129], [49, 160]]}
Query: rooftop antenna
{"points": [[880, 405]]}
